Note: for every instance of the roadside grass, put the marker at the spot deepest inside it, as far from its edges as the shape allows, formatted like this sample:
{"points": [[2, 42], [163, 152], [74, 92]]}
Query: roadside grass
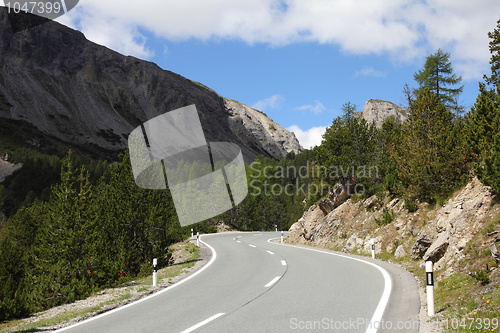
{"points": [[187, 254], [467, 304]]}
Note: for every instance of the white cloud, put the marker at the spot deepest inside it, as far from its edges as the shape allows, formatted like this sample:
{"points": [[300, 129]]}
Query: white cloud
{"points": [[369, 71], [272, 102], [315, 108], [406, 30], [309, 138]]}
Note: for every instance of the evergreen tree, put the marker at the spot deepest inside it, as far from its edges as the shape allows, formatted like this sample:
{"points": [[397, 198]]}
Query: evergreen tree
{"points": [[427, 154], [61, 265], [481, 134], [348, 144], [494, 46], [437, 75], [492, 176]]}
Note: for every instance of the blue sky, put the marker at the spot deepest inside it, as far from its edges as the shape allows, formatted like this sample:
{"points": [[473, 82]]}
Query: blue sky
{"points": [[297, 60]]}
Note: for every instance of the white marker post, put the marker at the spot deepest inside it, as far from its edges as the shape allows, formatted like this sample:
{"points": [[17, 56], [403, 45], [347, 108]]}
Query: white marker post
{"points": [[276, 227], [155, 267], [373, 249], [430, 288], [197, 238], [282, 236], [192, 233]]}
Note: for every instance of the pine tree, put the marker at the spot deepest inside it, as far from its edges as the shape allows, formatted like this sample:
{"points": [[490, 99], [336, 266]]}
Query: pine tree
{"points": [[427, 153], [437, 75], [492, 176], [483, 124], [494, 46], [62, 263], [349, 143]]}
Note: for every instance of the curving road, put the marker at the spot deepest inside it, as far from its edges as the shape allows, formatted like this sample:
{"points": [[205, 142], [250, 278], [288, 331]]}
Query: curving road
{"points": [[255, 285]]}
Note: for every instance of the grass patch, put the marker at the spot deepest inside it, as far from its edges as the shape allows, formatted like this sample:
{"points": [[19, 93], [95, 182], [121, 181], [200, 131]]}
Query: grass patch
{"points": [[468, 304]]}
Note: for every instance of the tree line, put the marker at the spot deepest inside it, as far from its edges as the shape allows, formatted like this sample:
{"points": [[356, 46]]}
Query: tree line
{"points": [[87, 236]]}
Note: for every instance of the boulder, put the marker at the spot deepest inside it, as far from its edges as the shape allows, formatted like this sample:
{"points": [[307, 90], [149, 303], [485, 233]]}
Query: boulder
{"points": [[400, 252], [421, 245], [495, 253], [438, 247], [340, 193], [353, 242]]}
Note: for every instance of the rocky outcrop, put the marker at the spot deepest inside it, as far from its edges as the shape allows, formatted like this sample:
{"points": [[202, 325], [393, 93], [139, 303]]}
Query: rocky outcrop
{"points": [[440, 234], [335, 198], [6, 169], [80, 92], [422, 244], [256, 129], [376, 111]]}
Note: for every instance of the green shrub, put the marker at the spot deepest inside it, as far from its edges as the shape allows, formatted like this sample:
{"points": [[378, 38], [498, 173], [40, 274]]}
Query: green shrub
{"points": [[146, 270], [411, 206], [387, 217], [482, 276]]}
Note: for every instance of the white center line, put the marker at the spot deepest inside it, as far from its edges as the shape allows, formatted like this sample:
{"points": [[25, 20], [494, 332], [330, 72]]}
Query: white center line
{"points": [[251, 245], [238, 241], [206, 321], [273, 281], [283, 262], [270, 252]]}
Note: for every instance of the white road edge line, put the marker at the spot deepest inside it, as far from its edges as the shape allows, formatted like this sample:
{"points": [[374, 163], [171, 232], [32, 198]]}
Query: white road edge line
{"points": [[382, 304], [214, 256], [251, 245], [270, 252], [206, 321], [273, 281], [238, 241], [283, 262]]}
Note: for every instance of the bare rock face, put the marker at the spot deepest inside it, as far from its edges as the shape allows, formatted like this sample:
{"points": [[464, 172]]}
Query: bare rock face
{"points": [[440, 234], [256, 129], [335, 198], [421, 246], [80, 92], [376, 111], [7, 169], [438, 248]]}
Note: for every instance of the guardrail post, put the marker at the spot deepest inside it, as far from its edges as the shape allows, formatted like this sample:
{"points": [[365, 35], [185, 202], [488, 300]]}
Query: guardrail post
{"points": [[430, 288], [373, 248], [155, 267]]}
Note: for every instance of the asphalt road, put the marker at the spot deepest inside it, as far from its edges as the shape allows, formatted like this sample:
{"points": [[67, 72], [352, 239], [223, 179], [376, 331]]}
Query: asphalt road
{"points": [[256, 285]]}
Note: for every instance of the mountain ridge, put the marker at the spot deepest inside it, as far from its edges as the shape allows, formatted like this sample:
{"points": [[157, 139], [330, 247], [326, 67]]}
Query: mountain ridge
{"points": [[85, 93]]}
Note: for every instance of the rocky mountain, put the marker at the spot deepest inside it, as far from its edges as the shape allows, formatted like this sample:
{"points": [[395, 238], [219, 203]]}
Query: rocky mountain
{"points": [[448, 235], [376, 111], [80, 92]]}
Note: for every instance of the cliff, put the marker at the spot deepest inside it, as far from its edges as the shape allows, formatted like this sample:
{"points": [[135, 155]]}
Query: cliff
{"points": [[376, 111]]}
